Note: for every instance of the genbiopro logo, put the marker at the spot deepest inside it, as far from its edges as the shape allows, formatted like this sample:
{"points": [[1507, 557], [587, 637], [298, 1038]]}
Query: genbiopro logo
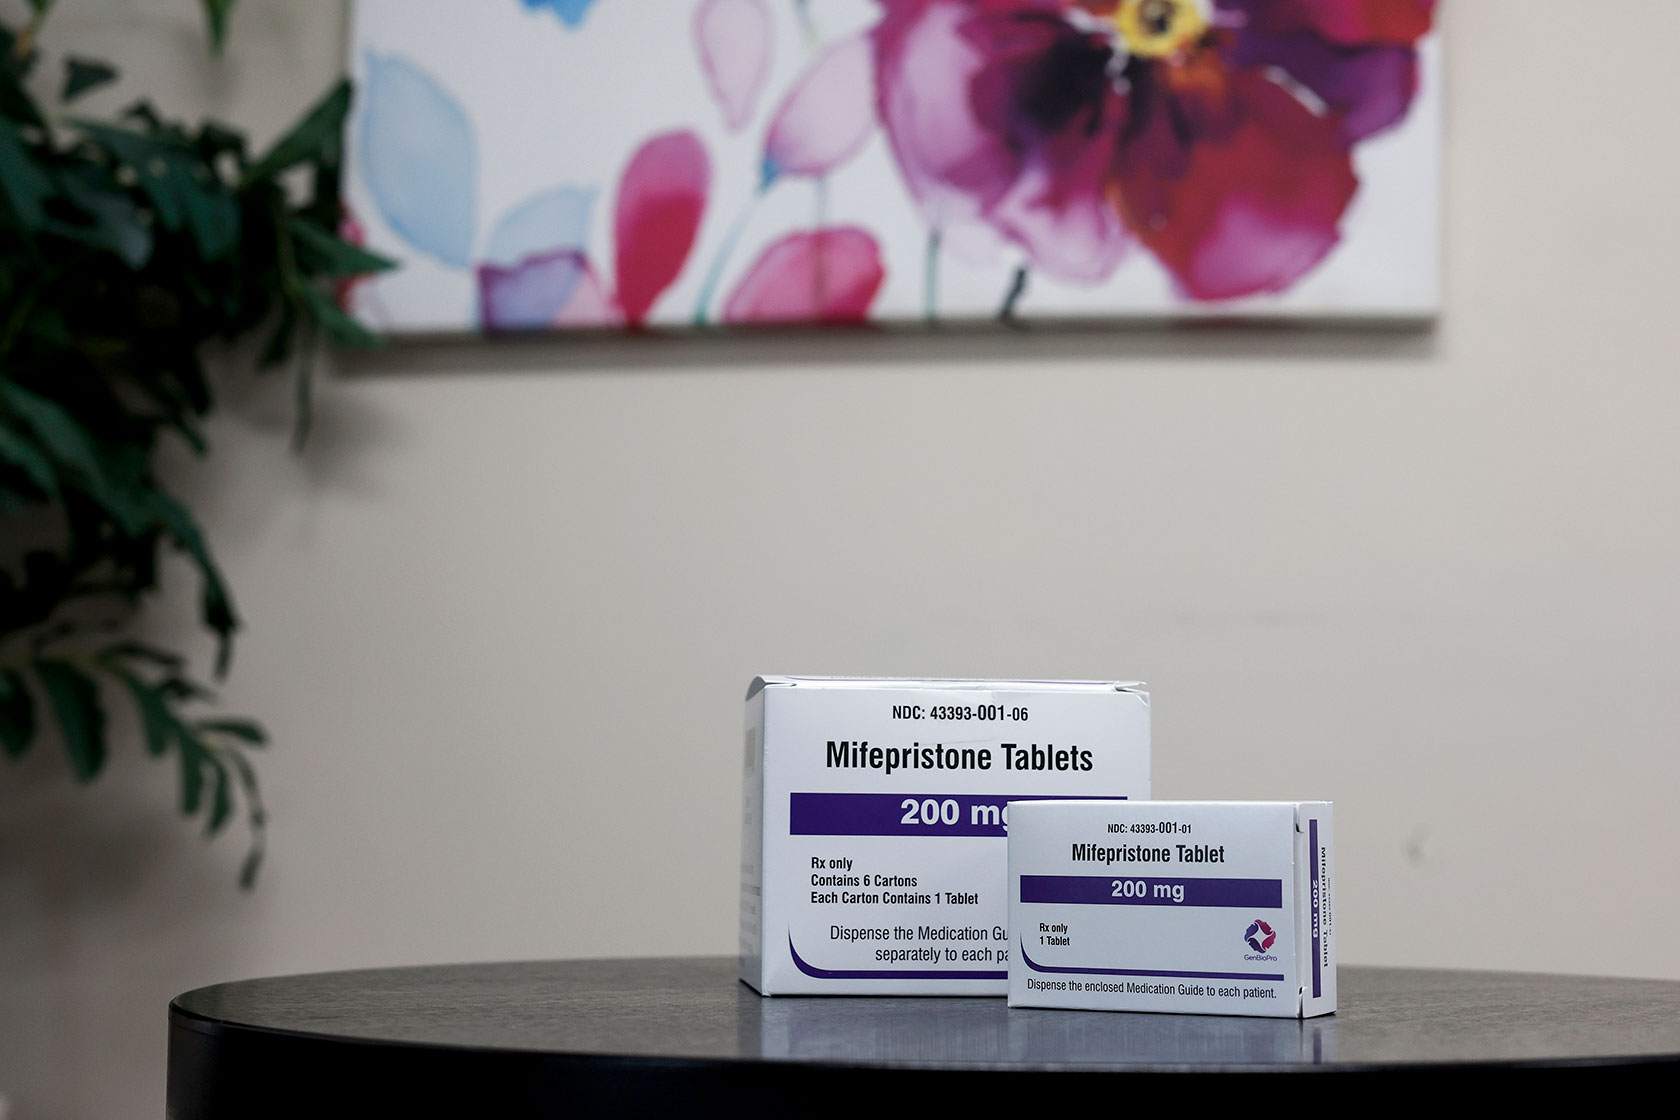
{"points": [[1260, 936]]}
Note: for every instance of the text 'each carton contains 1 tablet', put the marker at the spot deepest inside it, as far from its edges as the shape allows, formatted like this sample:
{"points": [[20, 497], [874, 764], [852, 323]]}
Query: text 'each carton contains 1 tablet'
{"points": [[875, 817], [1211, 907]]}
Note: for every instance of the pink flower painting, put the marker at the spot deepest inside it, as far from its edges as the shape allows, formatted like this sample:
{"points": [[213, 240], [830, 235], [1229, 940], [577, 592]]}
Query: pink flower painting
{"points": [[1219, 136], [823, 162]]}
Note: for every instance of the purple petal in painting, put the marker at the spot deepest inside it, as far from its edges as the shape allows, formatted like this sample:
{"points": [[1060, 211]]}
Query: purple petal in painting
{"points": [[733, 39], [1369, 87], [661, 200], [1350, 23], [824, 276], [828, 115], [530, 294]]}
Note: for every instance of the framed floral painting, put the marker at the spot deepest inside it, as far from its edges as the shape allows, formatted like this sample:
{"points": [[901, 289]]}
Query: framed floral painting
{"points": [[621, 164]]}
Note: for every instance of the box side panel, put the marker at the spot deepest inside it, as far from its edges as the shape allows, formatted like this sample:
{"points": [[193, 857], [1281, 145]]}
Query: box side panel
{"points": [[1316, 828], [752, 846], [1303, 917]]}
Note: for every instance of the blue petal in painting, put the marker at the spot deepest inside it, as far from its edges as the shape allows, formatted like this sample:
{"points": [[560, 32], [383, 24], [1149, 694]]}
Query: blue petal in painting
{"points": [[419, 159], [571, 12], [543, 223], [530, 294]]}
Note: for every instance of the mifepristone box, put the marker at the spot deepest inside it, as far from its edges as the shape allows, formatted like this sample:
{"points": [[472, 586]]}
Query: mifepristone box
{"points": [[1213, 907], [875, 816]]}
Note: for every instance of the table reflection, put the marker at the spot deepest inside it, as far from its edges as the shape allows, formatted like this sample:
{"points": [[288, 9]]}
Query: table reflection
{"points": [[983, 1032]]}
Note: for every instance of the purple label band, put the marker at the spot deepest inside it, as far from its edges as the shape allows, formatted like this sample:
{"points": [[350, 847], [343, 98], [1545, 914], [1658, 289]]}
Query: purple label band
{"points": [[905, 814], [888, 973], [1312, 861], [1156, 972], [1134, 890]]}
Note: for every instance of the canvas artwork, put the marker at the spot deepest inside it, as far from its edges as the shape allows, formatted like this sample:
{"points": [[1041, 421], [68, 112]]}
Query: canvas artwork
{"points": [[622, 164]]}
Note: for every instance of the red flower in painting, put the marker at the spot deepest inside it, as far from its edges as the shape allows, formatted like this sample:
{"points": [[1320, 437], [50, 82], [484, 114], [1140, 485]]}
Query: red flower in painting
{"points": [[1216, 133]]}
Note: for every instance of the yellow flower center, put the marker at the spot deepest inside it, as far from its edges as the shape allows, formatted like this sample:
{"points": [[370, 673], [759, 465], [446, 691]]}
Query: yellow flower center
{"points": [[1159, 28]]}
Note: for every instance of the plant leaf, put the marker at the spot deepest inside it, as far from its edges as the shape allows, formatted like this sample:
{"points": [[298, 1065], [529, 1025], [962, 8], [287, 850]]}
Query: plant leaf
{"points": [[258, 817], [214, 218], [17, 450], [332, 256], [221, 798], [75, 701], [145, 112], [118, 226], [317, 134], [179, 688], [181, 186], [248, 730], [218, 140], [72, 445], [22, 181], [84, 74], [338, 326], [17, 715], [194, 754], [216, 607], [151, 158], [216, 13], [158, 723]]}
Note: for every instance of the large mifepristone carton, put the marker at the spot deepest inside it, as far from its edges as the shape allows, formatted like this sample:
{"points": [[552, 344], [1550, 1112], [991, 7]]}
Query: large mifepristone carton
{"points": [[875, 817]]}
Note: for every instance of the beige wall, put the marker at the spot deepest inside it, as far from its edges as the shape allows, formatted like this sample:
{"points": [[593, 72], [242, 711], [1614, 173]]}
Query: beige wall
{"points": [[502, 611]]}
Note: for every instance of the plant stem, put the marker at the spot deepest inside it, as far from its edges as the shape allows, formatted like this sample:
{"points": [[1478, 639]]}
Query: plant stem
{"points": [[303, 394], [930, 277], [290, 279], [1017, 288], [812, 36], [714, 274]]}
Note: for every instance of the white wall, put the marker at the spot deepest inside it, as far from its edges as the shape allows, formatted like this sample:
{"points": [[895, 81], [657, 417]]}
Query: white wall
{"points": [[502, 611]]}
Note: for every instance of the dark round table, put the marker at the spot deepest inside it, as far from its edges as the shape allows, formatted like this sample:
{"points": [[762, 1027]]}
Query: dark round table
{"points": [[673, 1037]]}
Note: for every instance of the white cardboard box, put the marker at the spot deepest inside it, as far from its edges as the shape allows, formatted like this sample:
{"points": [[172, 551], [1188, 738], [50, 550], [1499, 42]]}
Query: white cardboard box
{"points": [[875, 815], [1209, 907]]}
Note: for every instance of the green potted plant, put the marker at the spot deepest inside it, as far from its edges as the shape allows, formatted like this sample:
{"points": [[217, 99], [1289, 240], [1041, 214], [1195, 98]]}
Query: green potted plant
{"points": [[127, 247]]}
